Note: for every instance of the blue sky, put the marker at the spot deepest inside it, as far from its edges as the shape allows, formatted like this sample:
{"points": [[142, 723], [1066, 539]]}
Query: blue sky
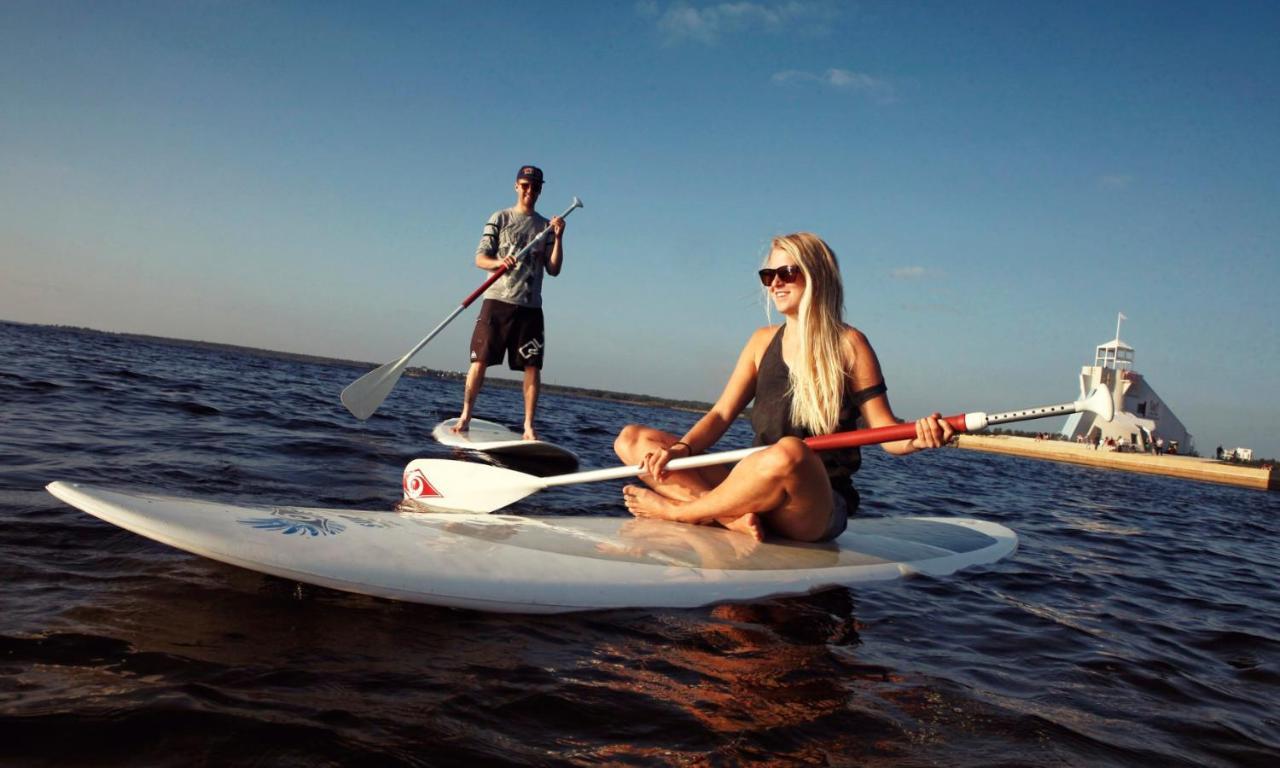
{"points": [[999, 180]]}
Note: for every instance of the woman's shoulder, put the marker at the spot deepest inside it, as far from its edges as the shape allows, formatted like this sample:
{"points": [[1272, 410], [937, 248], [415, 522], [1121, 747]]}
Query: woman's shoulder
{"points": [[764, 334], [759, 341], [855, 338], [864, 363]]}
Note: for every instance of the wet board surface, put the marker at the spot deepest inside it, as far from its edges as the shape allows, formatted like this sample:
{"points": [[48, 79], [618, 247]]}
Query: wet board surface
{"points": [[488, 437], [510, 564]]}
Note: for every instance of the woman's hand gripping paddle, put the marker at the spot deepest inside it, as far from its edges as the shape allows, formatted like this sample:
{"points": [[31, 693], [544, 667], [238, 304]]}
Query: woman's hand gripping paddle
{"points": [[463, 486], [363, 396]]}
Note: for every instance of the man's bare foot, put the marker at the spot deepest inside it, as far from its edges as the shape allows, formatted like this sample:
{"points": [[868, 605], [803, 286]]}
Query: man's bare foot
{"points": [[530, 434], [749, 524], [643, 502], [462, 425]]}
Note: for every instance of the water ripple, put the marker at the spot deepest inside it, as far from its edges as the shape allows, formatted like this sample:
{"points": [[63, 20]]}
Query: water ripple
{"points": [[1136, 625]]}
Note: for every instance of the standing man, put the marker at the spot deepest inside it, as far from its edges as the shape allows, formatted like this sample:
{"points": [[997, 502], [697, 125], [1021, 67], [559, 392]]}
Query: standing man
{"points": [[510, 320]]}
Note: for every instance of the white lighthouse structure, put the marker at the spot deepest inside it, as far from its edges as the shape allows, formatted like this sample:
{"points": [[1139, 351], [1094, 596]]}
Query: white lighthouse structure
{"points": [[1141, 416]]}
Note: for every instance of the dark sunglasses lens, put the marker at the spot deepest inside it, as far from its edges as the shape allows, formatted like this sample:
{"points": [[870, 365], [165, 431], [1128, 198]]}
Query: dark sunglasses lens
{"points": [[787, 274]]}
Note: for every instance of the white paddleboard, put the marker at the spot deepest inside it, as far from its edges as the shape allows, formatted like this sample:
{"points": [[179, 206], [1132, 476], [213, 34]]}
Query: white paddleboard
{"points": [[511, 564], [488, 437]]}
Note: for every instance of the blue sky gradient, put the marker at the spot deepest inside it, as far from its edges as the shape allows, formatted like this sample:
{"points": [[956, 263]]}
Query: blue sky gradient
{"points": [[999, 180]]}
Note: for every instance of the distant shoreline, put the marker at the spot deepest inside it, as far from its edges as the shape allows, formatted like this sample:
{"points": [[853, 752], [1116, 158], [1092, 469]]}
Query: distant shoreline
{"points": [[412, 371]]}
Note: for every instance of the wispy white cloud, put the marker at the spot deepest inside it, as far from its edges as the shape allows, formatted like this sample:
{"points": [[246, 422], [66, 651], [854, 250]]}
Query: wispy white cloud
{"points": [[913, 273], [1115, 181], [840, 79], [707, 23]]}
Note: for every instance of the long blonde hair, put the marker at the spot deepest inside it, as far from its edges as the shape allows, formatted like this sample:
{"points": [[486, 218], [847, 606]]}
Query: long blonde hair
{"points": [[819, 378]]}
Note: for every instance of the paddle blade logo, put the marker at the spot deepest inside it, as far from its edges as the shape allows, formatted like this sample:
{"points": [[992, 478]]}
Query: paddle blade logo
{"points": [[416, 486]]}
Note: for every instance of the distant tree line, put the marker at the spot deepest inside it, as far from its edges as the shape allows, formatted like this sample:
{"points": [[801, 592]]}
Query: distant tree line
{"points": [[560, 389]]}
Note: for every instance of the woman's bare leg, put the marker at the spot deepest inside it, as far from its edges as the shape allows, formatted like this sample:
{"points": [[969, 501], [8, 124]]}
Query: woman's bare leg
{"points": [[635, 440], [785, 484]]}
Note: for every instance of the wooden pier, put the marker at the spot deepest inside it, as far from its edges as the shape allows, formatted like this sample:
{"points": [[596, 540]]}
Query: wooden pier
{"points": [[1189, 467]]}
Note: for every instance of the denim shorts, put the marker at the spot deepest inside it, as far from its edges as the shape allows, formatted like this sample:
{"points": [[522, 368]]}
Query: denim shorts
{"points": [[839, 517]]}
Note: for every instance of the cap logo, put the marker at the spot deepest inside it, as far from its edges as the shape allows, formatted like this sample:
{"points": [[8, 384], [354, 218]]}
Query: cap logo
{"points": [[531, 172]]}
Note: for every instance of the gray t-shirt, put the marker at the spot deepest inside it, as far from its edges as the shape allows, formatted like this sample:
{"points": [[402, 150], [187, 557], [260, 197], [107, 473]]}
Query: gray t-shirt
{"points": [[506, 232]]}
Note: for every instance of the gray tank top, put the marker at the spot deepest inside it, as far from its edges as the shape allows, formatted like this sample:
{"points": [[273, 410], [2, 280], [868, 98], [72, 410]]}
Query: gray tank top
{"points": [[771, 416]]}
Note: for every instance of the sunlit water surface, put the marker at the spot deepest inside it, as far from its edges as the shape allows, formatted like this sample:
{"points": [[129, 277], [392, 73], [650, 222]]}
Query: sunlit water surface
{"points": [[1137, 624]]}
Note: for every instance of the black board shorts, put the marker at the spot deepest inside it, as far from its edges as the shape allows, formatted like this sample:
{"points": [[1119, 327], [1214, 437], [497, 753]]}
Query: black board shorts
{"points": [[511, 330]]}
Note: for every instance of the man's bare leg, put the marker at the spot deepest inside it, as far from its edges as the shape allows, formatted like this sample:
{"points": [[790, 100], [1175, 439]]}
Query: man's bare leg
{"points": [[475, 380], [532, 384]]}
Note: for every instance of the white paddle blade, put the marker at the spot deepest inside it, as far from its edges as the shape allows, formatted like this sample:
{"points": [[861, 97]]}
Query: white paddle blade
{"points": [[464, 486], [1100, 402], [363, 396]]}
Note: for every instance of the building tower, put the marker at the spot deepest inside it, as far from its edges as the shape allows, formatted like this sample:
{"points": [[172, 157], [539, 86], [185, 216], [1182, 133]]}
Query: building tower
{"points": [[1141, 416]]}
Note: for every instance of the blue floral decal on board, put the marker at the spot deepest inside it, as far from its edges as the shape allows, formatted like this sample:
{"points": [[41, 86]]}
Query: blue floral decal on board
{"points": [[293, 522]]}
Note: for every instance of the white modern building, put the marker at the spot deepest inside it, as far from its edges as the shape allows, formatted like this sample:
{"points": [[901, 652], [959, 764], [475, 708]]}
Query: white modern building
{"points": [[1141, 416]]}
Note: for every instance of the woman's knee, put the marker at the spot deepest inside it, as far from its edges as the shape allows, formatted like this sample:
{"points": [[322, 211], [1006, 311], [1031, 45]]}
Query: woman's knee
{"points": [[627, 440], [784, 457]]}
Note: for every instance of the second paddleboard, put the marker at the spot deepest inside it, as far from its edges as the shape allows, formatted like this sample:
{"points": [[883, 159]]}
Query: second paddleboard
{"points": [[488, 437]]}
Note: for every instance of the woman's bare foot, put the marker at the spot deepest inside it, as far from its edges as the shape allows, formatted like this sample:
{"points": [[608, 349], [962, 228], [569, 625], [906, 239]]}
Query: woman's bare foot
{"points": [[749, 524], [461, 425], [530, 434], [643, 502]]}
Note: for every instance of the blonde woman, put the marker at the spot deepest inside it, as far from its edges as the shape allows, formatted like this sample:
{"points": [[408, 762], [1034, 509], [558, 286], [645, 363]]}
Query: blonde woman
{"points": [[812, 375]]}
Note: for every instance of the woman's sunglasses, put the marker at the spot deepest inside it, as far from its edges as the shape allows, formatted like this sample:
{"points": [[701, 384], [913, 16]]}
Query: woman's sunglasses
{"points": [[787, 274]]}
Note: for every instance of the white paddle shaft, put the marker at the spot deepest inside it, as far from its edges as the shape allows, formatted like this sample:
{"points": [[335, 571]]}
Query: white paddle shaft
{"points": [[617, 473]]}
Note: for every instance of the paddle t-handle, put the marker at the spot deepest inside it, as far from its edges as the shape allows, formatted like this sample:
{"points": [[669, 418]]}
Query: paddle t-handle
{"points": [[363, 396]]}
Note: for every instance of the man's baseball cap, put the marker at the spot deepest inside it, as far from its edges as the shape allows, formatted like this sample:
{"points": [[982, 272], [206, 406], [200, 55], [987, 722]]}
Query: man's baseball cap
{"points": [[530, 172]]}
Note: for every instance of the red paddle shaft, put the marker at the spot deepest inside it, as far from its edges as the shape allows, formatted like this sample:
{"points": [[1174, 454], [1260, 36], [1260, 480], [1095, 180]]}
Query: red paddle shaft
{"points": [[861, 437]]}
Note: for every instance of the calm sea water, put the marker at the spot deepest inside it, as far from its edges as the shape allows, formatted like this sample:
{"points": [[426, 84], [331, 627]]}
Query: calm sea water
{"points": [[1138, 624]]}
